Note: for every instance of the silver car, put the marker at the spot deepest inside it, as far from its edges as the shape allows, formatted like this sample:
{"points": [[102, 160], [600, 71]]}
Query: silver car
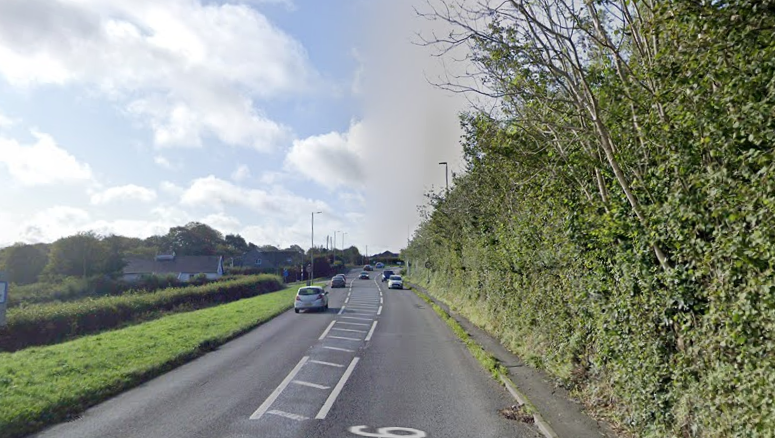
{"points": [[311, 297]]}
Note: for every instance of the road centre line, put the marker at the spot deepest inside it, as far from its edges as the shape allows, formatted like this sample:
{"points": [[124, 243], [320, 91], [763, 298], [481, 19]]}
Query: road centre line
{"points": [[331, 364], [341, 311], [276, 393], [328, 329], [352, 323], [350, 330], [371, 332], [337, 389], [345, 338], [360, 319], [310, 384], [379, 312], [337, 349], [346, 300], [380, 300], [296, 417]]}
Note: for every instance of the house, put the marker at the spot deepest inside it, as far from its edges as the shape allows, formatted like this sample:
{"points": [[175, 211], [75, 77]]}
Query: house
{"points": [[269, 259], [184, 268]]}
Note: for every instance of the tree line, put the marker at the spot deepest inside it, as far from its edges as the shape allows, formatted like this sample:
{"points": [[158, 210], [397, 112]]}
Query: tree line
{"points": [[615, 221]]}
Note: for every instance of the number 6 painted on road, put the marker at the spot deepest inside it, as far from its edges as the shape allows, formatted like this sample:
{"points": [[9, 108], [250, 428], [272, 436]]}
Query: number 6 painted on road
{"points": [[387, 432]]}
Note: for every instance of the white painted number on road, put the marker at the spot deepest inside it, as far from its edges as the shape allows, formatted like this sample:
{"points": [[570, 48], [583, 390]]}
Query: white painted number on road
{"points": [[388, 432]]}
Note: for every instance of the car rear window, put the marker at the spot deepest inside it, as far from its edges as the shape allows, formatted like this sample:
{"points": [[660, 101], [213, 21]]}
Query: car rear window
{"points": [[309, 291], [395, 277]]}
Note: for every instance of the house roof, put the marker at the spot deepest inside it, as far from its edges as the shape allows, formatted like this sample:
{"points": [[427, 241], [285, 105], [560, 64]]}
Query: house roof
{"points": [[188, 264]]}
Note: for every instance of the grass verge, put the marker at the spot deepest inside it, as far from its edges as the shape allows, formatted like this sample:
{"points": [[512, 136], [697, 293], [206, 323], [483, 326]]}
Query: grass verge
{"points": [[485, 359], [40, 386]]}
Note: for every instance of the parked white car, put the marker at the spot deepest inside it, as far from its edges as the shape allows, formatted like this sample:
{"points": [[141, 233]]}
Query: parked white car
{"points": [[395, 282]]}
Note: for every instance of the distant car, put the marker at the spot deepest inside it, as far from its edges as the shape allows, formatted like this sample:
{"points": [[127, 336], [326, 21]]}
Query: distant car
{"points": [[386, 274], [395, 282], [311, 297], [364, 275], [380, 265], [338, 282], [367, 268]]}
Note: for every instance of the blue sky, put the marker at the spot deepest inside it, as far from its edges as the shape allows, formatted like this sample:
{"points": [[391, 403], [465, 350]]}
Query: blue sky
{"points": [[133, 116]]}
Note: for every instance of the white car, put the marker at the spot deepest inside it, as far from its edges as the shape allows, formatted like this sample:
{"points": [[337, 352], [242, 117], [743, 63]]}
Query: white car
{"points": [[311, 297], [395, 282]]}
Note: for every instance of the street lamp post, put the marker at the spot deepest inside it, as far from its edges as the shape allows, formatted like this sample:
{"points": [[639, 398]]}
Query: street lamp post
{"points": [[446, 174], [312, 250], [343, 234]]}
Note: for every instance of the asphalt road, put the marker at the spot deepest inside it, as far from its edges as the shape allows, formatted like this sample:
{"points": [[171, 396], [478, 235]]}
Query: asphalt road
{"points": [[378, 363]]}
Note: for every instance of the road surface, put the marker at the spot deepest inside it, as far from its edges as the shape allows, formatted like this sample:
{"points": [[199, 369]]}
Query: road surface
{"points": [[378, 363]]}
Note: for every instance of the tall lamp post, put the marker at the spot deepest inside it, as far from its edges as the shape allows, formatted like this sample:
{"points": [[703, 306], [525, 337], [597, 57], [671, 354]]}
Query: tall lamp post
{"points": [[446, 173], [343, 248], [312, 250]]}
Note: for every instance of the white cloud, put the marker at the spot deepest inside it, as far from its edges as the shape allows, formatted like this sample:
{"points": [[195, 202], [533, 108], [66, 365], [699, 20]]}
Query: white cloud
{"points": [[53, 223], [332, 159], [241, 173], [171, 188], [163, 162], [120, 193], [187, 69], [222, 222], [6, 122], [42, 163]]}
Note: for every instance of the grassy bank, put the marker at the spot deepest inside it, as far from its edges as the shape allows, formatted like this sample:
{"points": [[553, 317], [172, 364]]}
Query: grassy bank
{"points": [[40, 386], [51, 323]]}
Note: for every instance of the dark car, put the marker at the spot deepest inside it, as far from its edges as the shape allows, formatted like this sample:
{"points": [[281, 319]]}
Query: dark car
{"points": [[368, 268], [338, 282], [386, 274]]}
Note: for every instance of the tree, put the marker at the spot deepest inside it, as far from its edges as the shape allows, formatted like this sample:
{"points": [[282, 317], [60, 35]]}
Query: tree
{"points": [[25, 263], [80, 255], [194, 238]]}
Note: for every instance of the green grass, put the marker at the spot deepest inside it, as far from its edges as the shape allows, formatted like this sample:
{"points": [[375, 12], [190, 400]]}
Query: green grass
{"points": [[40, 386]]}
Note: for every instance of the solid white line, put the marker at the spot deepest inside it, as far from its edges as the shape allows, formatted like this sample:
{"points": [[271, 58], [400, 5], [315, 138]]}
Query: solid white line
{"points": [[345, 338], [350, 330], [352, 323], [379, 312], [311, 385], [371, 332], [328, 329], [360, 319], [296, 417], [273, 396], [337, 389], [337, 349], [331, 364]]}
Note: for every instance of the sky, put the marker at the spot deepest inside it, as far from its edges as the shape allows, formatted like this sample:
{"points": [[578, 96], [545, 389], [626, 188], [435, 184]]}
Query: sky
{"points": [[131, 117]]}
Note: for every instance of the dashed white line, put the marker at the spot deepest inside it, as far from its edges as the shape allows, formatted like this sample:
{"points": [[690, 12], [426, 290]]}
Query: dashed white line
{"points": [[346, 300], [380, 300], [310, 384], [345, 338], [358, 318], [273, 396], [296, 417], [337, 349], [379, 312], [331, 364], [328, 329], [337, 389], [349, 330], [371, 332]]}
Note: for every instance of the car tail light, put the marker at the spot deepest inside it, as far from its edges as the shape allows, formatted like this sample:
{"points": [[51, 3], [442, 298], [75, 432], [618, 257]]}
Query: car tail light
{"points": [[320, 296], [298, 298]]}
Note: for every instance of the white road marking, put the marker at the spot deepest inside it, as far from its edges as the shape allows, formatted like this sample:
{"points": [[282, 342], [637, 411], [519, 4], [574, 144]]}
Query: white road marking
{"points": [[341, 311], [337, 389], [337, 349], [363, 305], [379, 312], [296, 417], [328, 329], [380, 300], [346, 300], [350, 330], [352, 323], [387, 432], [273, 396], [360, 319], [371, 332], [345, 338], [310, 384], [331, 364]]}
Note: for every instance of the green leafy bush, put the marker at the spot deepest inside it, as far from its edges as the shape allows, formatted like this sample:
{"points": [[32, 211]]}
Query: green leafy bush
{"points": [[56, 322]]}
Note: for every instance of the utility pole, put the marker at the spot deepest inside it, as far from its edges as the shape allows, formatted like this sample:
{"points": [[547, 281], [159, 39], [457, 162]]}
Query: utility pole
{"points": [[312, 249], [343, 261]]}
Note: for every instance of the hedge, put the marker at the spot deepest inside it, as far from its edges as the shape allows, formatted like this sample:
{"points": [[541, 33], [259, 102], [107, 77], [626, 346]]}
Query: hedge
{"points": [[56, 322]]}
